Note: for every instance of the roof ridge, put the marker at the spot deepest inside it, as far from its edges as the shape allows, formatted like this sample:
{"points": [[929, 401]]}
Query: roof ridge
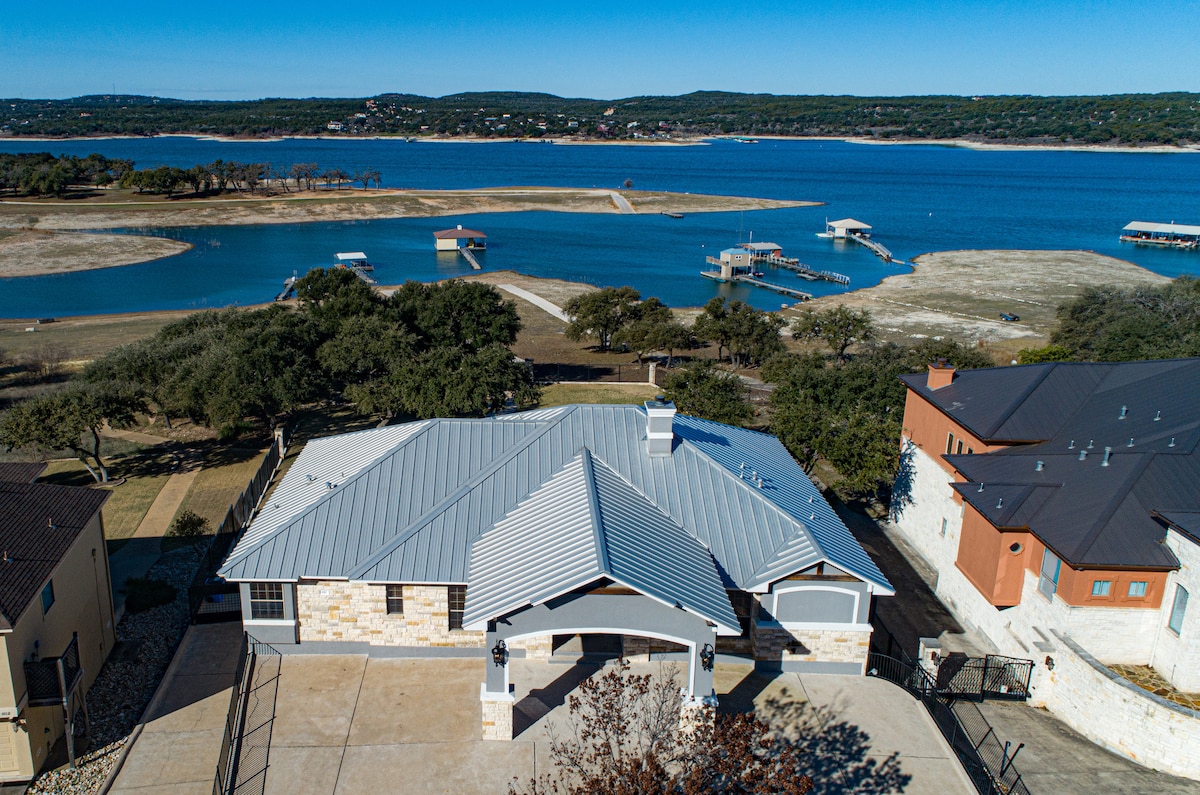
{"points": [[1020, 400], [597, 521], [235, 556], [498, 463]]}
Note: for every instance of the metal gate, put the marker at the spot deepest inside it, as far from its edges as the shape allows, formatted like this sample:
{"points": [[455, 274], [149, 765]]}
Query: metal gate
{"points": [[977, 678]]}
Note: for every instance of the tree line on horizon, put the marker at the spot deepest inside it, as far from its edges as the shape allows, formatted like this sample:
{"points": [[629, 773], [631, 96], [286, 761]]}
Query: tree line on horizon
{"points": [[1168, 118], [44, 174]]}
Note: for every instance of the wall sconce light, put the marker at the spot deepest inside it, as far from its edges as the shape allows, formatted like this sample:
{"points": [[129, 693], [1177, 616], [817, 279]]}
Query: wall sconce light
{"points": [[1049, 662], [707, 657], [500, 654], [935, 658]]}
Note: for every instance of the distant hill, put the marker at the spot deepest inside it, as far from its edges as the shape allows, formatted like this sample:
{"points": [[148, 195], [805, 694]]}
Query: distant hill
{"points": [[1130, 119]]}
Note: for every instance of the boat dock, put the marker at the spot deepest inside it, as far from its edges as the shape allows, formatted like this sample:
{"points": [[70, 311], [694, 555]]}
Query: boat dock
{"points": [[803, 271], [289, 287], [470, 255], [362, 274], [1173, 235], [739, 278], [671, 214], [851, 229]]}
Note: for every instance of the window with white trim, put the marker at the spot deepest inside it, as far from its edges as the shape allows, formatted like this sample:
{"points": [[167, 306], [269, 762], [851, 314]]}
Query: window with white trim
{"points": [[395, 599], [1137, 588], [266, 600], [949, 443], [1048, 579], [1178, 608], [1101, 587], [47, 597]]}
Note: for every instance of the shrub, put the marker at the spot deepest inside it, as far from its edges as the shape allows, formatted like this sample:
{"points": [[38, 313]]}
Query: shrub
{"points": [[143, 594], [188, 526]]}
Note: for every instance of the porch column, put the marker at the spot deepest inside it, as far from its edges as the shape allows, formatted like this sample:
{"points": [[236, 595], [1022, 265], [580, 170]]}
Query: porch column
{"points": [[495, 695], [700, 689]]}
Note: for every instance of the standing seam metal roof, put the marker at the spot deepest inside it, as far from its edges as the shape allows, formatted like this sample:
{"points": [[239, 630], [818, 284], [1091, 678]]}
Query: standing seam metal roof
{"points": [[412, 513]]}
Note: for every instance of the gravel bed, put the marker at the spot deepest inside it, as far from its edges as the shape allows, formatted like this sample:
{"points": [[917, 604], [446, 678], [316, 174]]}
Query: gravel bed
{"points": [[120, 694]]}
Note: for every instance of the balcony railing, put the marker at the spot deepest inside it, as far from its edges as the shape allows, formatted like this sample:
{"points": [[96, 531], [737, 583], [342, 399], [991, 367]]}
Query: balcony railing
{"points": [[50, 679]]}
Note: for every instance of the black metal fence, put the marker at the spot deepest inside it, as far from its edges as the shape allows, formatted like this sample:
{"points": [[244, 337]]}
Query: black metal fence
{"points": [[246, 743], [551, 373], [210, 598], [977, 678], [987, 762]]}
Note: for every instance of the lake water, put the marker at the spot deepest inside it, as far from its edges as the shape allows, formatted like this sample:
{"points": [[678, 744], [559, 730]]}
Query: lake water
{"points": [[917, 198]]}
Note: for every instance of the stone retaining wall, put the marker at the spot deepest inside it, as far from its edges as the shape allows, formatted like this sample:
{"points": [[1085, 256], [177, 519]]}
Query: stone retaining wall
{"points": [[776, 643]]}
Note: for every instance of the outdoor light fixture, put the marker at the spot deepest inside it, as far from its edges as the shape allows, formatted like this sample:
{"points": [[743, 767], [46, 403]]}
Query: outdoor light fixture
{"points": [[1049, 662], [500, 654], [707, 656]]}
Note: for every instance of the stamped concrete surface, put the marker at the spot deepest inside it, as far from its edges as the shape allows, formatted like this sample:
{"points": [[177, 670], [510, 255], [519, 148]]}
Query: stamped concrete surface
{"points": [[180, 740], [347, 724]]}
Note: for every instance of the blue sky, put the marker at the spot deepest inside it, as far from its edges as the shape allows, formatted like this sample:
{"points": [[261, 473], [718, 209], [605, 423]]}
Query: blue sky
{"points": [[258, 48]]}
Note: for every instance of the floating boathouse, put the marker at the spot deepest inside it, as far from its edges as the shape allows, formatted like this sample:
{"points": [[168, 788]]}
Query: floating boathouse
{"points": [[1176, 235], [457, 238]]}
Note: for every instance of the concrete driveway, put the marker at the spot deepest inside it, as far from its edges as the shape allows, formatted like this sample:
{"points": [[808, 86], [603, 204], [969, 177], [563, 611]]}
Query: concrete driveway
{"points": [[348, 724]]}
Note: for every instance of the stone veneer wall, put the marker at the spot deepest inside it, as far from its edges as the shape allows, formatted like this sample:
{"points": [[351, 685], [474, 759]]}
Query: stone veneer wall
{"points": [[1177, 657], [357, 612], [1119, 715], [815, 645], [497, 718]]}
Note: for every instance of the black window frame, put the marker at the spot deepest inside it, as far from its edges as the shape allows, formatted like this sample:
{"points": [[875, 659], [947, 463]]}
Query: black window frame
{"points": [[393, 597], [456, 602]]}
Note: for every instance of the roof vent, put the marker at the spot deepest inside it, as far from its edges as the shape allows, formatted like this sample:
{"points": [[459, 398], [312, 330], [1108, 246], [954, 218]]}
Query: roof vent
{"points": [[50, 523], [1124, 411], [5, 558], [1130, 442], [1039, 466], [1000, 503], [1107, 455], [660, 427], [981, 488], [1172, 444], [310, 478], [1082, 455], [1071, 446], [1158, 415], [1091, 443]]}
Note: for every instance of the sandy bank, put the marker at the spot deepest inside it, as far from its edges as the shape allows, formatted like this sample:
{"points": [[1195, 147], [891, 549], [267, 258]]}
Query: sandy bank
{"points": [[351, 205], [33, 253], [961, 294]]}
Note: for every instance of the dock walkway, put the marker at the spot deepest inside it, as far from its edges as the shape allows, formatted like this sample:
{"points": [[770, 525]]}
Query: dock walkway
{"points": [[362, 274], [777, 288], [878, 249], [470, 256], [803, 271]]}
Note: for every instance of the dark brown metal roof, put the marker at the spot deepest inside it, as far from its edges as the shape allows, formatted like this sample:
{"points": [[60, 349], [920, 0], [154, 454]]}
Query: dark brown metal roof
{"points": [[39, 523], [20, 473], [457, 234], [1143, 417]]}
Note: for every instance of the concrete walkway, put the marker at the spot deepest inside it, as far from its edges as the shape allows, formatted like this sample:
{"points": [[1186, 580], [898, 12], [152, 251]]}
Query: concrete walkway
{"points": [[180, 740], [623, 205], [346, 724], [536, 300]]}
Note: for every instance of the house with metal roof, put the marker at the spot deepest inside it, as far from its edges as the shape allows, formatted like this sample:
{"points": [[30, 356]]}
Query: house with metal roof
{"points": [[512, 534], [454, 239], [1060, 505], [56, 613]]}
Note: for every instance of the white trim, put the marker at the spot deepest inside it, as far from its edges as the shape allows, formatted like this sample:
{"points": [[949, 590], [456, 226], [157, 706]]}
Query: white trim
{"points": [[487, 695], [776, 592], [268, 622], [818, 625]]}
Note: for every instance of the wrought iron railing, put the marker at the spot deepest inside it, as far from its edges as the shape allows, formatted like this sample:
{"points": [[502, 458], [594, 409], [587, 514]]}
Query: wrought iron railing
{"points": [[985, 760], [246, 744]]}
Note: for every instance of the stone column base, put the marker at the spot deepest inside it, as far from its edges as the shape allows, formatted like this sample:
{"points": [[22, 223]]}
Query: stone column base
{"points": [[497, 714], [697, 710]]}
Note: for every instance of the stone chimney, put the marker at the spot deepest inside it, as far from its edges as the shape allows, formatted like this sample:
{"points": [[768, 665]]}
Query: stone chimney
{"points": [[941, 374], [660, 426]]}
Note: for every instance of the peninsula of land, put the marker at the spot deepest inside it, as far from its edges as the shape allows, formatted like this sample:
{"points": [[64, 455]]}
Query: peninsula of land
{"points": [[35, 234]]}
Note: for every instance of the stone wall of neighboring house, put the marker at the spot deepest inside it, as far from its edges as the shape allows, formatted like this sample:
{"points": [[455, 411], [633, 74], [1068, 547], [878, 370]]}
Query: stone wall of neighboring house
{"points": [[1177, 656], [1115, 713], [924, 503], [357, 612]]}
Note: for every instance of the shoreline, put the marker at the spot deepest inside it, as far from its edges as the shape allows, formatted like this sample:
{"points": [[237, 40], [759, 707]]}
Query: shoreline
{"points": [[704, 140]]}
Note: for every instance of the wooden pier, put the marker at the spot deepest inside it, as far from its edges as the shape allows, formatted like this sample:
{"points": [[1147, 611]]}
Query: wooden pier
{"points": [[755, 282], [879, 249], [362, 274], [289, 287], [470, 256], [803, 271]]}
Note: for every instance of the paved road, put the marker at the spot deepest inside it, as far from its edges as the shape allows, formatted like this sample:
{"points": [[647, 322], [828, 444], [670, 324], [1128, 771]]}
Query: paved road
{"points": [[623, 205], [536, 300]]}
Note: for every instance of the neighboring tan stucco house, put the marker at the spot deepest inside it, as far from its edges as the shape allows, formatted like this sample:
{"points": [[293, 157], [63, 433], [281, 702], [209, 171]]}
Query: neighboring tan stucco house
{"points": [[55, 604], [1060, 506], [455, 537]]}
